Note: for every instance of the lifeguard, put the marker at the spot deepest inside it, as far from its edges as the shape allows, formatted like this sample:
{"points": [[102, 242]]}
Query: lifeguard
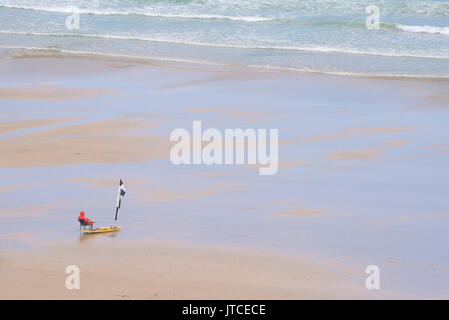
{"points": [[85, 221]]}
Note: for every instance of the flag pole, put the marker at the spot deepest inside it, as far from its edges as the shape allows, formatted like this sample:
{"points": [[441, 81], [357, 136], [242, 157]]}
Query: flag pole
{"points": [[120, 193]]}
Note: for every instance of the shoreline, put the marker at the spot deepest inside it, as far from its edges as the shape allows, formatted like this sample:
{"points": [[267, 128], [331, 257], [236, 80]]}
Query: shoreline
{"points": [[178, 62]]}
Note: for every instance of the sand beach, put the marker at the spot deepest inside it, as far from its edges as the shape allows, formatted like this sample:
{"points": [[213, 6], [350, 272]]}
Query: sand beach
{"points": [[362, 180]]}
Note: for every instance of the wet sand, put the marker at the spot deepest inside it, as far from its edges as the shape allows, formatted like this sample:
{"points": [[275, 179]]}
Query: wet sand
{"points": [[106, 141], [48, 93], [152, 270], [361, 180]]}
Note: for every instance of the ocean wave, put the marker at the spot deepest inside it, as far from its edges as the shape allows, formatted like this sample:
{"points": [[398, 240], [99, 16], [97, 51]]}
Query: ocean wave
{"points": [[385, 25], [141, 12], [424, 29], [316, 49]]}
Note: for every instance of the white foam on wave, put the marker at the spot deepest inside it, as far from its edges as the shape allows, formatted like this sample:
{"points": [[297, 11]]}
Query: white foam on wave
{"points": [[139, 11], [424, 29], [317, 49]]}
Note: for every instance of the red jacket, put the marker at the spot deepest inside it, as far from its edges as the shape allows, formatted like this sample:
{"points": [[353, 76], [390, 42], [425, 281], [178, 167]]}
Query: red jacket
{"points": [[86, 220]]}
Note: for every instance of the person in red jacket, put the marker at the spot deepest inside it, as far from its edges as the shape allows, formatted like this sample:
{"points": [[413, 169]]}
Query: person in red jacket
{"points": [[85, 221]]}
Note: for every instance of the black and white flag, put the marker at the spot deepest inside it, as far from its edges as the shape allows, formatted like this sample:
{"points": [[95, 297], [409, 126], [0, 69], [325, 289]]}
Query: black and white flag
{"points": [[120, 194]]}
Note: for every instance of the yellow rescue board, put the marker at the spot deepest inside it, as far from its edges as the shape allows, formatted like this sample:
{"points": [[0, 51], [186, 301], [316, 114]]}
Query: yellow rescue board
{"points": [[101, 230]]}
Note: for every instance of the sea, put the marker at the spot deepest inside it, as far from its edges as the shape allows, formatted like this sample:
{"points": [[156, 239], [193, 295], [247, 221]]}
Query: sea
{"points": [[380, 38]]}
